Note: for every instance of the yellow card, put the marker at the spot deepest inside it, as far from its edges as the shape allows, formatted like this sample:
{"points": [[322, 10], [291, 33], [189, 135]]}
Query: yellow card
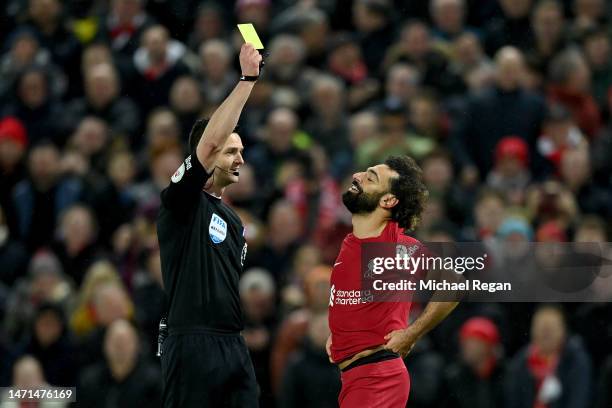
{"points": [[250, 35]]}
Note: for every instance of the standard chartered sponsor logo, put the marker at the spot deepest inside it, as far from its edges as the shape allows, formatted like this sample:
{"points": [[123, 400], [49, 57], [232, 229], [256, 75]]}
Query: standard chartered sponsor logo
{"points": [[349, 297]]}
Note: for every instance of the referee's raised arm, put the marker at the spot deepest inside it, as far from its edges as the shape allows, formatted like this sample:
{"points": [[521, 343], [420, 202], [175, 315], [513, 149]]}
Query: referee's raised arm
{"points": [[225, 118], [207, 139]]}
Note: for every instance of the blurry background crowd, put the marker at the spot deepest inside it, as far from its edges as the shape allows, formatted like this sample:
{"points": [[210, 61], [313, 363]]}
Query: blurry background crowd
{"points": [[505, 104]]}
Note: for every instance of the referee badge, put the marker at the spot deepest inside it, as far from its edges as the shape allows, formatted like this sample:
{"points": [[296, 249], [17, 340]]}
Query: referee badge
{"points": [[217, 229]]}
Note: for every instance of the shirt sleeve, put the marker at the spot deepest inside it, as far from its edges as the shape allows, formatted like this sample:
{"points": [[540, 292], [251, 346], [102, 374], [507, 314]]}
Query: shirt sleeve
{"points": [[185, 185]]}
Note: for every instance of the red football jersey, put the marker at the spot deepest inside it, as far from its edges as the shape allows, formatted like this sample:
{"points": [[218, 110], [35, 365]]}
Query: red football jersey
{"points": [[357, 326]]}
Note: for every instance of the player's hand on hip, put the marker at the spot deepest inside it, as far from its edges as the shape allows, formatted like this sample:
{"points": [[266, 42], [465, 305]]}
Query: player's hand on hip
{"points": [[328, 345], [249, 60], [401, 341]]}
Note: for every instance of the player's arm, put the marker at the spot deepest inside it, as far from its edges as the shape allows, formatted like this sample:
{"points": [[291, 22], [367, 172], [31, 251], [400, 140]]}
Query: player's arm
{"points": [[402, 341], [225, 118]]}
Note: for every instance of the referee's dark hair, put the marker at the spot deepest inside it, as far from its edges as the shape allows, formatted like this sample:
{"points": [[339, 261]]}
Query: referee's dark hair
{"points": [[198, 130], [409, 190]]}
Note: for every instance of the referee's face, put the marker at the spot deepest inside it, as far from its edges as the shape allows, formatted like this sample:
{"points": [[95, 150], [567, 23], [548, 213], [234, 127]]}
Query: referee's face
{"points": [[229, 161]]}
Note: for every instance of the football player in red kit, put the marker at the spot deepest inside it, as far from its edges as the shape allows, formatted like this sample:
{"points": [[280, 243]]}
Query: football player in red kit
{"points": [[369, 338]]}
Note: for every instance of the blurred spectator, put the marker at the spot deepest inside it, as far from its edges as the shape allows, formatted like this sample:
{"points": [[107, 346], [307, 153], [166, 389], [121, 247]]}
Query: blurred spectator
{"points": [[294, 327], [477, 380], [576, 175], [598, 53], [489, 213], [103, 100], [125, 378], [372, 20], [164, 158], [28, 375], [159, 61], [256, 12], [309, 379], [13, 147], [13, 255], [45, 282], [401, 86], [511, 175], [553, 370], [284, 234], [76, 241], [46, 19], [588, 14], [553, 201], [449, 19], [547, 23], [503, 110], [560, 134], [328, 125], [513, 28], [217, 75], [427, 127], [112, 199], [51, 345], [209, 24], [257, 293], [278, 145], [570, 80], [43, 196], [35, 106], [91, 140], [316, 196], [123, 26], [438, 177], [149, 297], [415, 47], [471, 63], [26, 51], [186, 102]]}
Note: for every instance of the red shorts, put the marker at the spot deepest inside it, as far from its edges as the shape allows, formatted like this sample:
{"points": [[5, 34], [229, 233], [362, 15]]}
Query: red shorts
{"points": [[385, 384]]}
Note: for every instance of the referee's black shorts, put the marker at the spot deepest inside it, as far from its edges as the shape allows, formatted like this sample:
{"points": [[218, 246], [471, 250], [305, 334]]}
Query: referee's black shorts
{"points": [[205, 369]]}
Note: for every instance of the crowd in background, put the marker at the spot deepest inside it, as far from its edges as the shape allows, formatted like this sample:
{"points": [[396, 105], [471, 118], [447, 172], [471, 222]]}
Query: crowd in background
{"points": [[506, 105]]}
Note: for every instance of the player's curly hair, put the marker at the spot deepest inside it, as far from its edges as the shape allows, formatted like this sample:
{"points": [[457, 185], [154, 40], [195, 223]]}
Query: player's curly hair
{"points": [[409, 190]]}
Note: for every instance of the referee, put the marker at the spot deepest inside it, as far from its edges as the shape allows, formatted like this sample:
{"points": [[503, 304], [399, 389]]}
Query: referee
{"points": [[205, 361]]}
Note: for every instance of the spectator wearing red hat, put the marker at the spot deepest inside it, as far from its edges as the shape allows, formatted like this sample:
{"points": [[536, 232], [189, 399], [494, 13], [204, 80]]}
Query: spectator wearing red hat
{"points": [[13, 143], [476, 380], [510, 173]]}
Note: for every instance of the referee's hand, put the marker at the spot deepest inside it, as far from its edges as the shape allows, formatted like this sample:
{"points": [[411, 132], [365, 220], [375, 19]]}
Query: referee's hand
{"points": [[249, 60]]}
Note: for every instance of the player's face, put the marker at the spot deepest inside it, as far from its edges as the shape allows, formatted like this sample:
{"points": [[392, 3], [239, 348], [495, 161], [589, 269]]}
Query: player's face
{"points": [[230, 161], [368, 189]]}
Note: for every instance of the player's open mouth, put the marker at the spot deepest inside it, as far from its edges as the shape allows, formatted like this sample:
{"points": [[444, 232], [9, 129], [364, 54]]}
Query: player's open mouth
{"points": [[355, 188], [236, 171]]}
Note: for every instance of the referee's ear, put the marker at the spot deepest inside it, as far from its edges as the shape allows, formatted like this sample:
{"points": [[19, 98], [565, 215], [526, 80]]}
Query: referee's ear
{"points": [[196, 134]]}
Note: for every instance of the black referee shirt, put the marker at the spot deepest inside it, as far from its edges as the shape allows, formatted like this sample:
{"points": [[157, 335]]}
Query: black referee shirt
{"points": [[202, 250]]}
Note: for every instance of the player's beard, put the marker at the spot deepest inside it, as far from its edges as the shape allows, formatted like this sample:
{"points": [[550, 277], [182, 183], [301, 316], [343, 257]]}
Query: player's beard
{"points": [[361, 202]]}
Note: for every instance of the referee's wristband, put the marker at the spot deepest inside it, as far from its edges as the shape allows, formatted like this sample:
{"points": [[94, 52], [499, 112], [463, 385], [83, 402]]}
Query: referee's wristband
{"points": [[249, 78]]}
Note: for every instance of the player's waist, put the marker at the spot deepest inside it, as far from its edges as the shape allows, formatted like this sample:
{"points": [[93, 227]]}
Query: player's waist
{"points": [[198, 329], [373, 355]]}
